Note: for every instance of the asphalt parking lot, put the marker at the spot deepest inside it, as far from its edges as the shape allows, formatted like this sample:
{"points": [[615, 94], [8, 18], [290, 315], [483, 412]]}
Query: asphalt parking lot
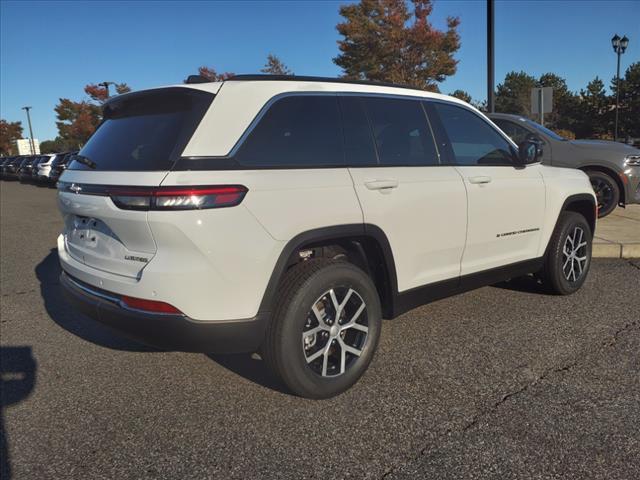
{"points": [[502, 382]]}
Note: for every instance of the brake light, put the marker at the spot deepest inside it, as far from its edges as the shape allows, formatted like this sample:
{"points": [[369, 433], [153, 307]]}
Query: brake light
{"points": [[149, 305], [177, 198]]}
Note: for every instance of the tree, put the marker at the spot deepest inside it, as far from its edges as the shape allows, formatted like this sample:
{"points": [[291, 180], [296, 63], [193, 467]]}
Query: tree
{"points": [[55, 146], [629, 114], [212, 75], [76, 121], [9, 133], [274, 66], [565, 103], [383, 41], [593, 111], [462, 95], [98, 93], [514, 94]]}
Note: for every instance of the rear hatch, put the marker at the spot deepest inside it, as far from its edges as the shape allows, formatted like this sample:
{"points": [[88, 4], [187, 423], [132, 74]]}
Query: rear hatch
{"points": [[101, 193]]}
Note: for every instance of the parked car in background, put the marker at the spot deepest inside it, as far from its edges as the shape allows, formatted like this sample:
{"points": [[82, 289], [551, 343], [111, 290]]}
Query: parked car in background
{"points": [[4, 161], [59, 165], [10, 168], [43, 168], [24, 172], [613, 167]]}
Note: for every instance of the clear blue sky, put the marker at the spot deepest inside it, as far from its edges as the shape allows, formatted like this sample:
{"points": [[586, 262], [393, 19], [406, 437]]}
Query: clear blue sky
{"points": [[52, 49]]}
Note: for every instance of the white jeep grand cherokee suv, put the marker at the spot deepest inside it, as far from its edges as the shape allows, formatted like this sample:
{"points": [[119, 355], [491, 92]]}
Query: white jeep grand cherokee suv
{"points": [[289, 215]]}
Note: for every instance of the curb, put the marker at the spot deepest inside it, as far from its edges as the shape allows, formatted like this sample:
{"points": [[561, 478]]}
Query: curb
{"points": [[616, 250]]}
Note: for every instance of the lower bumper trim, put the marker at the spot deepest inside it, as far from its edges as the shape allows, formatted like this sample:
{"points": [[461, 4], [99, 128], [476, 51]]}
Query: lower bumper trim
{"points": [[168, 332]]}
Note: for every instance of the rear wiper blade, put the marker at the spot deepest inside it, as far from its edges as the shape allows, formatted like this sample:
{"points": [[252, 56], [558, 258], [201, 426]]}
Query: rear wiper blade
{"points": [[84, 160]]}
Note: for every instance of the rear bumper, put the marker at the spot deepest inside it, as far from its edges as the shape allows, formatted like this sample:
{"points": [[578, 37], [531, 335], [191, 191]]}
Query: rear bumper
{"points": [[167, 332]]}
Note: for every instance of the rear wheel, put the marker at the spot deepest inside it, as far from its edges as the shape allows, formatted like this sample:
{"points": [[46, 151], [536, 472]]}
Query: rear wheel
{"points": [[325, 329], [606, 190], [569, 254]]}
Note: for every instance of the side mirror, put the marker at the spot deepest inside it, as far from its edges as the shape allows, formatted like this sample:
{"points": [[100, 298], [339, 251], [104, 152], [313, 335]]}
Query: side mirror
{"points": [[529, 151]]}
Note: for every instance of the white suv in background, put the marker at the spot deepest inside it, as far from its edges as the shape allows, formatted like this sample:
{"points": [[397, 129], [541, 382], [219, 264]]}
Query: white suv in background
{"points": [[289, 215]]}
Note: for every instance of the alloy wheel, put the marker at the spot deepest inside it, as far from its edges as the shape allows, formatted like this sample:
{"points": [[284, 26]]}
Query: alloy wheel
{"points": [[574, 255], [604, 193], [336, 331]]}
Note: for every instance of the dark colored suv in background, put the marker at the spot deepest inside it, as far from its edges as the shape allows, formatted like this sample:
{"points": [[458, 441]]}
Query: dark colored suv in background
{"points": [[613, 168]]}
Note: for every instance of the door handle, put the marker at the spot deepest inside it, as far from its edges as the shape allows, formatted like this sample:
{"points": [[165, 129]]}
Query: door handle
{"points": [[480, 179], [381, 184]]}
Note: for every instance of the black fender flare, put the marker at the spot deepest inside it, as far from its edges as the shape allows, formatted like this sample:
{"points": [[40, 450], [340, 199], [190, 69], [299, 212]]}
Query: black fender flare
{"points": [[323, 235]]}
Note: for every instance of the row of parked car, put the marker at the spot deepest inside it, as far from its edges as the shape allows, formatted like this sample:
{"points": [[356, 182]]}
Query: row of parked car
{"points": [[39, 168]]}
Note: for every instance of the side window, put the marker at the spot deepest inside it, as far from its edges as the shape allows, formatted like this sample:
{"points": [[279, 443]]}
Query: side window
{"points": [[296, 131], [401, 131], [359, 149], [515, 132], [473, 141]]}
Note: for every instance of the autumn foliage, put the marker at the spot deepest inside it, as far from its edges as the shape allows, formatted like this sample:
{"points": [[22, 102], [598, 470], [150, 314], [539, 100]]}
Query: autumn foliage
{"points": [[99, 94], [9, 133], [78, 120], [275, 66], [385, 41], [212, 75]]}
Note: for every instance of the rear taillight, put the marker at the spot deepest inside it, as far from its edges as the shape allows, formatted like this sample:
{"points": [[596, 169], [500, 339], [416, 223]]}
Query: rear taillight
{"points": [[148, 305], [163, 198]]}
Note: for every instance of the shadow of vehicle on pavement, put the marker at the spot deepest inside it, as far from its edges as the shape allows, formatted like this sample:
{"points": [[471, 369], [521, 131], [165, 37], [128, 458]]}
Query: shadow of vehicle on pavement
{"points": [[250, 367], [526, 284], [17, 380], [48, 273]]}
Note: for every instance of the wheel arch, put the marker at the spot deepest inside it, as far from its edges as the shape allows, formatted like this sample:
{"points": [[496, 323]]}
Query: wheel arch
{"points": [[585, 205], [365, 245], [613, 174]]}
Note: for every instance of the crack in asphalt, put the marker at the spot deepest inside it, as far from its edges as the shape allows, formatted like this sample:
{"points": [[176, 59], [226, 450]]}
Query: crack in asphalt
{"points": [[432, 449]]}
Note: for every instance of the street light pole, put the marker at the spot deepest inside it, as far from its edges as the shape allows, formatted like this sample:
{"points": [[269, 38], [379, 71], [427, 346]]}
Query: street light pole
{"points": [[490, 56], [619, 46], [106, 86], [31, 142]]}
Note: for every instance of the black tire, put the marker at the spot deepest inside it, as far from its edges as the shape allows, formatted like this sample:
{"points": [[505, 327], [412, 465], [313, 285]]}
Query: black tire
{"points": [[286, 350], [607, 192], [557, 272]]}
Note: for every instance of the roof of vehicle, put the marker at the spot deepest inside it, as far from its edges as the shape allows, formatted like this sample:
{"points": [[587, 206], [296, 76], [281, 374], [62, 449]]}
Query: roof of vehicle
{"points": [[245, 95], [506, 116]]}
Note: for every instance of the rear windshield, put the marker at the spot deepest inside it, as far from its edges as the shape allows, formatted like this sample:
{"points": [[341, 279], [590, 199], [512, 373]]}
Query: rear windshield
{"points": [[145, 131]]}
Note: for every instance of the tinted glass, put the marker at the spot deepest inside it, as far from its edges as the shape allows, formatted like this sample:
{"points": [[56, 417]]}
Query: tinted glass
{"points": [[473, 140], [358, 142], [516, 132], [296, 131], [401, 132], [545, 130], [145, 132]]}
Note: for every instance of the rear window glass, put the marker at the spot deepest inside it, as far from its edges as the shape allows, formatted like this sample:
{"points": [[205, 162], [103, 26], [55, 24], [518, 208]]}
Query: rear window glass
{"points": [[296, 131], [147, 131], [401, 132]]}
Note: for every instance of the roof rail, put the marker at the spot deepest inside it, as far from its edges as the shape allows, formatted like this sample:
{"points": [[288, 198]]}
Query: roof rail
{"points": [[303, 78], [197, 79]]}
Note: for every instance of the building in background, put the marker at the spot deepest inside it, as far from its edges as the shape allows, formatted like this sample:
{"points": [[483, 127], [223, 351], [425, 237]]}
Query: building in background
{"points": [[23, 146]]}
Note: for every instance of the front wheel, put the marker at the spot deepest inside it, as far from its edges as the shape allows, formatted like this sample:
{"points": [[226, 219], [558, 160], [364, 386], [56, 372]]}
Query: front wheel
{"points": [[606, 190], [325, 329], [569, 254]]}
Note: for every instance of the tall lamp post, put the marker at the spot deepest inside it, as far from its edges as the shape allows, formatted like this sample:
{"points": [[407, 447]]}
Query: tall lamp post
{"points": [[619, 46], [106, 86], [31, 142]]}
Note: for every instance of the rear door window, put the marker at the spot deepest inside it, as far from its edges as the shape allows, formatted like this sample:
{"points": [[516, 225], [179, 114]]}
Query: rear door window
{"points": [[401, 132], [296, 131], [145, 132], [359, 148]]}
